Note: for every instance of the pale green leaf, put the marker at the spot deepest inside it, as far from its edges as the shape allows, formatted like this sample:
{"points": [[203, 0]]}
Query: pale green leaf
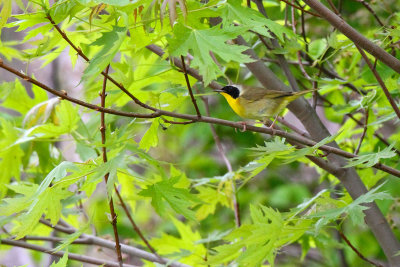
{"points": [[110, 43], [369, 160], [5, 12], [179, 199], [61, 262], [201, 42], [317, 48], [150, 138]]}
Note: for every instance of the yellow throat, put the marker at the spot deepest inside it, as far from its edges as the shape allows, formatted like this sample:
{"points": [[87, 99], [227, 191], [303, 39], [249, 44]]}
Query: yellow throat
{"points": [[235, 104]]}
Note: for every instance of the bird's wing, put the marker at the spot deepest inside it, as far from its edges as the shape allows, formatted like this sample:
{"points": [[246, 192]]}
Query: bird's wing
{"points": [[257, 93]]}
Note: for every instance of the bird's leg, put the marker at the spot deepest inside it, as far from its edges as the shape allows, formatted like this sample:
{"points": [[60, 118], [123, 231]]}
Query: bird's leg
{"points": [[273, 122]]}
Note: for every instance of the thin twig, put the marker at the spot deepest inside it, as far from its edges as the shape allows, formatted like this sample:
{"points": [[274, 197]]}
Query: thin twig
{"points": [[302, 9], [380, 81], [380, 137], [303, 27], [134, 225], [190, 88], [366, 111], [104, 149], [334, 7], [71, 256], [299, 59], [357, 251]]}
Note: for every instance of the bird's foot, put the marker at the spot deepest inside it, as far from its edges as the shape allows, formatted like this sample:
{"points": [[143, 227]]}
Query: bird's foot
{"points": [[244, 124]]}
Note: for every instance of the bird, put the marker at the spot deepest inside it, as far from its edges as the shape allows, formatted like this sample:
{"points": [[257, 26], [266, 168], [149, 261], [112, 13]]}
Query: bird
{"points": [[258, 103]]}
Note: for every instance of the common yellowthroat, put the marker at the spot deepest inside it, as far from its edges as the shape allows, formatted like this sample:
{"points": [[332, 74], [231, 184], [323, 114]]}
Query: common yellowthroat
{"points": [[258, 103]]}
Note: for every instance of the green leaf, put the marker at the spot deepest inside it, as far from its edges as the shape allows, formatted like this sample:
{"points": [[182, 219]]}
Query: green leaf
{"points": [[179, 199], [61, 262], [10, 156], [267, 153], [184, 248], [150, 138], [233, 11], [16, 97], [369, 160], [65, 121], [63, 10], [212, 197], [5, 12], [269, 231], [59, 172], [110, 43], [317, 48], [201, 42], [72, 237], [354, 210], [18, 204], [300, 153], [48, 203], [28, 20]]}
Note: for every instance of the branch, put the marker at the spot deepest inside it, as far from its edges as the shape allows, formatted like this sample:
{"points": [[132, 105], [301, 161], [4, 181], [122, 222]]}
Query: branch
{"points": [[380, 81], [71, 256], [354, 35], [74, 100], [132, 251], [104, 149], [194, 118]]}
